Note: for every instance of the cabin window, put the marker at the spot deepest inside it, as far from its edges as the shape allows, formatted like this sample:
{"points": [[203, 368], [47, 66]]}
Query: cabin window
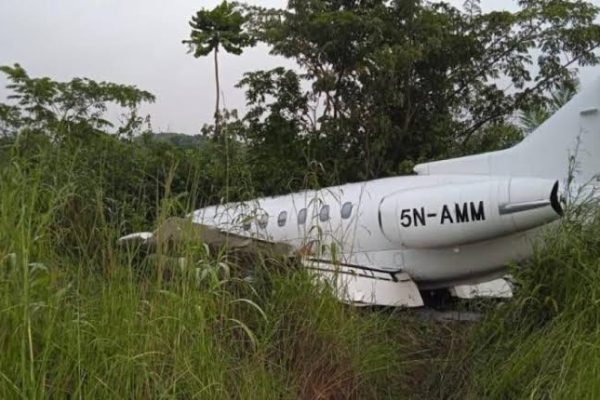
{"points": [[324, 213], [263, 220], [281, 220], [302, 216], [246, 221], [347, 210]]}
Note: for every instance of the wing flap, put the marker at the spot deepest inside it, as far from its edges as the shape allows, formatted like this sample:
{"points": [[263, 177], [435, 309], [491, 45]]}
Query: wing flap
{"points": [[361, 285]]}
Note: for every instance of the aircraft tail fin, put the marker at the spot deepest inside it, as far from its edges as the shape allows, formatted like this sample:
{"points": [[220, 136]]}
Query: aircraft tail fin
{"points": [[566, 145]]}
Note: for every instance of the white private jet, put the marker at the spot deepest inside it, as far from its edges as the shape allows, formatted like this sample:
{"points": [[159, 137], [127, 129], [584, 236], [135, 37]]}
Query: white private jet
{"points": [[455, 225]]}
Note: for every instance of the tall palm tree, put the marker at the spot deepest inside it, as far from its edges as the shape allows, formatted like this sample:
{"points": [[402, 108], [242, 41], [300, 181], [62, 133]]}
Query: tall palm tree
{"points": [[221, 27]]}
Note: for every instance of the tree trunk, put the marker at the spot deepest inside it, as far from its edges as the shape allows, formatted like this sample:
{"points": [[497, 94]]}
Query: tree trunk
{"points": [[218, 85]]}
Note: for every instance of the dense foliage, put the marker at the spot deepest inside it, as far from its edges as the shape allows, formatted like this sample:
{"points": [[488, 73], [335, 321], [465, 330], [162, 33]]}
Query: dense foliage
{"points": [[62, 110], [393, 83]]}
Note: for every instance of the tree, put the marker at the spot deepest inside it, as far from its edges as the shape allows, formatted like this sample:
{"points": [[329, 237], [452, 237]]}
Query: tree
{"points": [[277, 152], [405, 81], [63, 110], [223, 27]]}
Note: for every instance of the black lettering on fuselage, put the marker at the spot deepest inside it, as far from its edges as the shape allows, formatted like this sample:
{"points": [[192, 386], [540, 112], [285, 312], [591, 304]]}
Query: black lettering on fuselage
{"points": [[462, 214], [477, 214], [419, 216], [446, 216]]}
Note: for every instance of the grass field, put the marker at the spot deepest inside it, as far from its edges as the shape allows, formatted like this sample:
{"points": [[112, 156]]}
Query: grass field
{"points": [[78, 319]]}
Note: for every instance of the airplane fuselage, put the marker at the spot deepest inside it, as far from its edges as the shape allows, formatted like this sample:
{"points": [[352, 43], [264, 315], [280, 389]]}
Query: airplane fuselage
{"points": [[441, 230]]}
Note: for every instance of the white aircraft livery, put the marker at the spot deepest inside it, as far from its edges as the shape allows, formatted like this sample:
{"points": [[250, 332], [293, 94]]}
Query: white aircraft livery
{"points": [[454, 225]]}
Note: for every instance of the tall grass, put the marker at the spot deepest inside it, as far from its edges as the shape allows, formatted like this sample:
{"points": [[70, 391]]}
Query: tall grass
{"points": [[545, 343], [80, 319]]}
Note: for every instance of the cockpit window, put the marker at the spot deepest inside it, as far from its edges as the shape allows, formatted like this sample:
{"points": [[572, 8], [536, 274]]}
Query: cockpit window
{"points": [[302, 216], [281, 220], [324, 214], [347, 210]]}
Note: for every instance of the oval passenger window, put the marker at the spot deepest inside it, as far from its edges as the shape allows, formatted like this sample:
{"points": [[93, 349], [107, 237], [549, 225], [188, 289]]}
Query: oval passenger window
{"points": [[302, 216], [347, 210], [263, 220], [281, 220], [324, 214]]}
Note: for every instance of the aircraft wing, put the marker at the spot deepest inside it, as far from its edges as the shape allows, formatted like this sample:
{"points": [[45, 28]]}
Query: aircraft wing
{"points": [[180, 231], [353, 284]]}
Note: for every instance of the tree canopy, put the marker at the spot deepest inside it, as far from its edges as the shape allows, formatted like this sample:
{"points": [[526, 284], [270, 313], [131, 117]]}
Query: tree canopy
{"points": [[67, 109], [219, 27], [393, 83]]}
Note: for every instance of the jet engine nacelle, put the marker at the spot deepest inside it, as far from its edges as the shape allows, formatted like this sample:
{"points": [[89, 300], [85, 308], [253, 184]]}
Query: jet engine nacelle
{"points": [[463, 213]]}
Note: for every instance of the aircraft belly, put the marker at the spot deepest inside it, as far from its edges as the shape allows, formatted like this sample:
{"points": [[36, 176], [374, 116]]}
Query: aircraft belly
{"points": [[451, 264], [470, 261]]}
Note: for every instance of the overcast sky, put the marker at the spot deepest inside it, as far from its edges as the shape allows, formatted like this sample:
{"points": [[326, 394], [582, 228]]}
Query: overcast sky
{"points": [[135, 42]]}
